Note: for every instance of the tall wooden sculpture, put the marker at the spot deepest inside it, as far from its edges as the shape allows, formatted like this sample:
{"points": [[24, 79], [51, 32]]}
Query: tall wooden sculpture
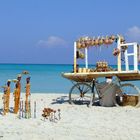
{"points": [[17, 92], [4, 101], [16, 98], [19, 84], [27, 101], [7, 95]]}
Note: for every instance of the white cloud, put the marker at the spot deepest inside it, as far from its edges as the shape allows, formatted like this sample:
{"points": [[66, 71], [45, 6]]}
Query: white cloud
{"points": [[52, 41], [133, 34]]}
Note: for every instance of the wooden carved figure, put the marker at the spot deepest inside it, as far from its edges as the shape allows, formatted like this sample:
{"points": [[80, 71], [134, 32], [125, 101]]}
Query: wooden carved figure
{"points": [[19, 84], [7, 95], [4, 101], [16, 98], [27, 96]]}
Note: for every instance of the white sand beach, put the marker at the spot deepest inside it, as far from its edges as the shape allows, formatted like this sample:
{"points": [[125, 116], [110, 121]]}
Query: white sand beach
{"points": [[78, 122]]}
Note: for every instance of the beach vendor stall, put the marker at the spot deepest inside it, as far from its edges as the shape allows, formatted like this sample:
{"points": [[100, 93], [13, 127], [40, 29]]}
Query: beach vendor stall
{"points": [[84, 78]]}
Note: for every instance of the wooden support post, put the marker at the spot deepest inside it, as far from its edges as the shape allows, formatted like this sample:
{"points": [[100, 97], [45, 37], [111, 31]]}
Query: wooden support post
{"points": [[135, 57], [75, 59], [86, 57], [134, 54], [126, 60], [138, 47], [119, 55]]}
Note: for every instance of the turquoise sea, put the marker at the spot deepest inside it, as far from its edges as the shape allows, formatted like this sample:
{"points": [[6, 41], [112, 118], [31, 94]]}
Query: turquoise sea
{"points": [[45, 78]]}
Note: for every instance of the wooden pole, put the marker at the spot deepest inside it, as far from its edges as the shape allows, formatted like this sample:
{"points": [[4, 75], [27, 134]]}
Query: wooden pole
{"points": [[59, 114], [138, 47], [135, 57], [119, 55], [86, 57], [126, 60], [75, 59], [29, 109], [26, 112], [34, 109]]}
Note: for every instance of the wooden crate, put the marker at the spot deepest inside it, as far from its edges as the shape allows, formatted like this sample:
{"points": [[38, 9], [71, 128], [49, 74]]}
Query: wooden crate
{"points": [[131, 100]]}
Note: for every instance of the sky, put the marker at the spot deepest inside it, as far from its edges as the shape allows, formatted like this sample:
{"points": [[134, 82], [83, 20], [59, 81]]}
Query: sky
{"points": [[43, 31]]}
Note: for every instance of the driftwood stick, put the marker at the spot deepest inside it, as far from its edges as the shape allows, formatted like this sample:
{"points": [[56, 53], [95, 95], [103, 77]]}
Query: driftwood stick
{"points": [[29, 109], [59, 114], [34, 109], [26, 113], [22, 113], [54, 115], [20, 110]]}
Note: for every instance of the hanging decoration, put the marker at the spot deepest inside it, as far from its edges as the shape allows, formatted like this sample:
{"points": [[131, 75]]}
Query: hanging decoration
{"points": [[84, 42], [116, 52], [106, 40], [101, 41], [123, 48], [79, 54], [122, 39]]}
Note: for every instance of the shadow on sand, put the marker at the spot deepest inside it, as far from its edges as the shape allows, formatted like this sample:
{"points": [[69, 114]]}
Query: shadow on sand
{"points": [[65, 99], [11, 110], [60, 100], [1, 111]]}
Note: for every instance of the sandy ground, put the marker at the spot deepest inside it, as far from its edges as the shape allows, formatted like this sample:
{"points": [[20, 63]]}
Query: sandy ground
{"points": [[78, 122]]}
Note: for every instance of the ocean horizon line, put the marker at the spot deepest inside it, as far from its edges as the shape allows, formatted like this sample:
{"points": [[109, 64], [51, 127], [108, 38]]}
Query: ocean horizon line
{"points": [[33, 64]]}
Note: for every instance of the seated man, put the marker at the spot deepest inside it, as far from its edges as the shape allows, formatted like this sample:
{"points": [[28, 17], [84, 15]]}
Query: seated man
{"points": [[108, 91]]}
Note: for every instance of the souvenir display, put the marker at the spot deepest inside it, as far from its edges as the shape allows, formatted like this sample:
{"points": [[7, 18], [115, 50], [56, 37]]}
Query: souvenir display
{"points": [[116, 51], [49, 113], [79, 54], [84, 42], [102, 66]]}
